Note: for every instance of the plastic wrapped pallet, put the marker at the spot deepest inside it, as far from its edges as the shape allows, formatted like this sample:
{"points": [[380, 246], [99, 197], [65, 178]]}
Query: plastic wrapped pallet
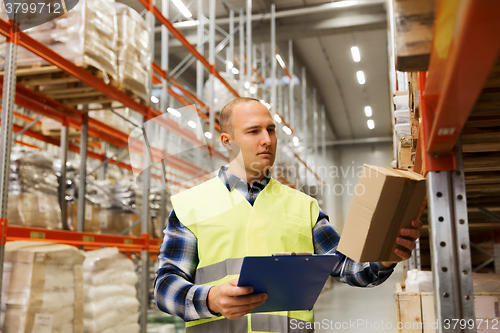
{"points": [[111, 303], [45, 288], [114, 118], [133, 51], [85, 35], [33, 190]]}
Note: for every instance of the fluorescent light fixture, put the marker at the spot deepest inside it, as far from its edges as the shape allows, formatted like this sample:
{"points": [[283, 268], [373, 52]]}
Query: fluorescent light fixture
{"points": [[345, 3], [192, 124], [277, 118], [174, 112], [229, 65], [282, 63], [247, 85], [268, 106], [370, 123], [235, 70], [208, 135], [154, 99], [287, 130], [295, 141], [182, 8], [253, 90], [368, 111], [185, 24], [356, 56], [361, 77]]}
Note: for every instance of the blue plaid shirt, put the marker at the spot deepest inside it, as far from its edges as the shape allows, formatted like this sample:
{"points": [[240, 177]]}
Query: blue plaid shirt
{"points": [[175, 291]]}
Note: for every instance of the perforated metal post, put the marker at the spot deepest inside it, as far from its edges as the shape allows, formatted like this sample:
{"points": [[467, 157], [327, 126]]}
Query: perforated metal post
{"points": [[249, 42], [211, 60], [315, 130], [242, 52], [200, 48], [273, 60], [304, 120], [291, 98], [64, 157], [450, 249], [9, 90], [84, 135]]}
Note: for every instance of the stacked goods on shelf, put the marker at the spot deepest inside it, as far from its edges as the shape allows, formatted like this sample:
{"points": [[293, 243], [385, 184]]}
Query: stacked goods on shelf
{"points": [[111, 303], [157, 223], [85, 35], [116, 203], [114, 117], [92, 210], [133, 52], [44, 288], [33, 190]]}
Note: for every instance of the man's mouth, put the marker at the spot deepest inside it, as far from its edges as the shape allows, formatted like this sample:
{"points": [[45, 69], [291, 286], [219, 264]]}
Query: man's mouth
{"points": [[266, 153]]}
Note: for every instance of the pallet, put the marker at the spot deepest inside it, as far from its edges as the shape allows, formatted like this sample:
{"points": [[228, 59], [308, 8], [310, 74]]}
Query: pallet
{"points": [[65, 88]]}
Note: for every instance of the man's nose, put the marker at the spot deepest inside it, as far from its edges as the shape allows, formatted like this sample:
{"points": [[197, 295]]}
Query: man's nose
{"points": [[266, 139]]}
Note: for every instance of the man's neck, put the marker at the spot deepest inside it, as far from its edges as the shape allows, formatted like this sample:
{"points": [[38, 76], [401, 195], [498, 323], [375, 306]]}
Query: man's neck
{"points": [[242, 173]]}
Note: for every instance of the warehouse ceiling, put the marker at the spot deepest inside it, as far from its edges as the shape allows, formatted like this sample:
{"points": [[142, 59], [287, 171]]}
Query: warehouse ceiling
{"points": [[322, 35]]}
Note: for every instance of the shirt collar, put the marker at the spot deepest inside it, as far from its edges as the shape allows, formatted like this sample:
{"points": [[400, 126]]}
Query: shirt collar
{"points": [[231, 180]]}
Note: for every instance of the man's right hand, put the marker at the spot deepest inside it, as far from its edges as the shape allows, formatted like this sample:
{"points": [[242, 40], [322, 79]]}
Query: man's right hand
{"points": [[232, 301]]}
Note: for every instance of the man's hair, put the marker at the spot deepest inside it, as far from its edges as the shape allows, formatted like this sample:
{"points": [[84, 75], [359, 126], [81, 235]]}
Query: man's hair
{"points": [[226, 114]]}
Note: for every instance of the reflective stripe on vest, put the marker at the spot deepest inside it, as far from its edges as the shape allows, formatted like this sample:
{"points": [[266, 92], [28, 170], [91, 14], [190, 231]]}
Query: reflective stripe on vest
{"points": [[260, 322], [228, 229]]}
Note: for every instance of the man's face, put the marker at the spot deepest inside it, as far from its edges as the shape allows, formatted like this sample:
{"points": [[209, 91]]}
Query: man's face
{"points": [[254, 133]]}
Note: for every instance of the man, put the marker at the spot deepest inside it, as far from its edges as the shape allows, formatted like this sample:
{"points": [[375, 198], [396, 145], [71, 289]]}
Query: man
{"points": [[244, 212]]}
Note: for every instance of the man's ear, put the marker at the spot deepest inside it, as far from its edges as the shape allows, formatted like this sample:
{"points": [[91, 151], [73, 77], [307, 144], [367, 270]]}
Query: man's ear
{"points": [[225, 139]]}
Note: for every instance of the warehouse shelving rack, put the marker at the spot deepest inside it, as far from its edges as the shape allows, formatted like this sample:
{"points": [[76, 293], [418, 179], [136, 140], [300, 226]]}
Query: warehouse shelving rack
{"points": [[456, 147], [14, 93]]}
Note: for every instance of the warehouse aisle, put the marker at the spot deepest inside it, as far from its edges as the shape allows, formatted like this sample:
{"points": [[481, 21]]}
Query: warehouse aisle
{"points": [[348, 309]]}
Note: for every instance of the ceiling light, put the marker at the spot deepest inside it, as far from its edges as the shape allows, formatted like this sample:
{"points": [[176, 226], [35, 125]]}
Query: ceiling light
{"points": [[368, 111], [345, 3], [277, 118], [174, 112], [192, 124], [185, 24], [282, 63], [154, 99], [361, 77], [247, 85], [268, 106], [287, 130], [229, 64], [235, 70], [295, 141], [208, 135], [370, 123], [182, 8], [253, 90], [356, 56]]}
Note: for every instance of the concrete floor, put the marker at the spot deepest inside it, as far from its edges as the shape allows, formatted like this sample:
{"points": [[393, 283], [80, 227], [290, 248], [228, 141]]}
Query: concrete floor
{"points": [[349, 309]]}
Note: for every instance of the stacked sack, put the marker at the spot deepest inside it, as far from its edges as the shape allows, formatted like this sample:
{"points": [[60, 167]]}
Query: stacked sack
{"points": [[111, 303], [43, 288], [33, 190], [133, 51], [86, 35]]}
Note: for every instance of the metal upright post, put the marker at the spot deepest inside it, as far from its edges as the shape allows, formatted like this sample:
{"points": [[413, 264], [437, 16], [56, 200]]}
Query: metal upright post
{"points": [[200, 75], [273, 60], [211, 60], [263, 72], [242, 53], [254, 65], [323, 134], [450, 250], [9, 89], [164, 105], [230, 49], [82, 186], [291, 100], [64, 158], [249, 41], [304, 118], [315, 129]]}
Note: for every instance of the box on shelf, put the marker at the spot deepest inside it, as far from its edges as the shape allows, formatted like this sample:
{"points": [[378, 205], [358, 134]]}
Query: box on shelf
{"points": [[402, 130], [86, 35], [385, 201], [45, 289], [133, 51], [92, 217], [402, 116], [33, 190], [401, 102]]}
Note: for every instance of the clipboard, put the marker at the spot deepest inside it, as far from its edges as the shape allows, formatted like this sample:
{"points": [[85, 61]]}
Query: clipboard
{"points": [[292, 282]]}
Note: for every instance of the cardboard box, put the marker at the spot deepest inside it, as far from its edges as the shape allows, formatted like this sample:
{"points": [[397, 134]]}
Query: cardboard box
{"points": [[385, 201]]}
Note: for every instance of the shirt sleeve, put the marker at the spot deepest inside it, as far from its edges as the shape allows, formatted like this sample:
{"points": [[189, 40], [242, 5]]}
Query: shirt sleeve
{"points": [[368, 274], [175, 291]]}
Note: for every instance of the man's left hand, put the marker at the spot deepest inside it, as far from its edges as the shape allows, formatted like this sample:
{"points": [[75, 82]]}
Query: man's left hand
{"points": [[406, 242]]}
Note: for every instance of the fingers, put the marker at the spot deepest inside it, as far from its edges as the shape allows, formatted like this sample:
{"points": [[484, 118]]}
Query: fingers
{"points": [[410, 245], [410, 233], [417, 224], [403, 254]]}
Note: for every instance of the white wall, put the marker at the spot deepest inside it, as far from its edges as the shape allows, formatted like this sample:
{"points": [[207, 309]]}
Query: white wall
{"points": [[345, 304]]}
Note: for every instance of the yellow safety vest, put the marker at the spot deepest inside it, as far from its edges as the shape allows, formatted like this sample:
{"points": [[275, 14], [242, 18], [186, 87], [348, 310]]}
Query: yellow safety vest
{"points": [[228, 228]]}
